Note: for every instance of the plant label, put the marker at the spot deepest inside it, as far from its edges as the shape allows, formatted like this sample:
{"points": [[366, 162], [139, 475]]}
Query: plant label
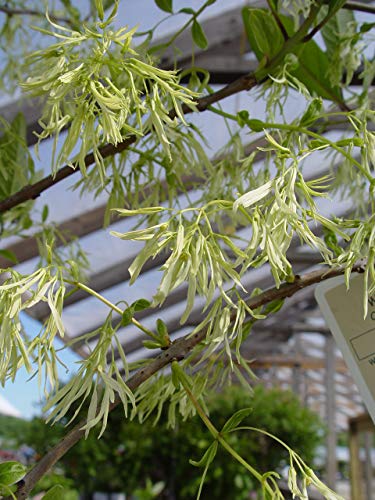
{"points": [[354, 334]]}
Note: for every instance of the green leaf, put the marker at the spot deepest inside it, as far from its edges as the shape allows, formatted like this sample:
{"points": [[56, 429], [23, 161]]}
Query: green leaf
{"points": [[140, 305], [9, 255], [166, 5], [187, 10], [330, 239], [365, 27], [127, 316], [45, 212], [162, 332], [161, 328], [312, 113], [55, 493], [242, 117], [255, 125], [100, 9], [175, 379], [178, 374], [335, 4], [73, 11], [198, 35], [27, 223], [151, 344], [108, 3], [317, 143], [333, 30], [273, 306], [11, 472], [313, 71], [207, 457], [350, 141], [138, 211], [313, 67], [262, 31], [236, 419]]}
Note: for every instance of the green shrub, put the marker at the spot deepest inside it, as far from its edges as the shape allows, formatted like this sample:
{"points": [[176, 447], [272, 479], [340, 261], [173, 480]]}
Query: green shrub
{"points": [[131, 456]]}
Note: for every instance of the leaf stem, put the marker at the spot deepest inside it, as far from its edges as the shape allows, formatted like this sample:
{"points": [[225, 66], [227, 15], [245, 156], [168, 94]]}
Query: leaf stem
{"points": [[222, 113], [9, 490], [112, 306], [183, 28], [95, 294], [145, 330], [360, 7], [31, 12], [216, 434]]}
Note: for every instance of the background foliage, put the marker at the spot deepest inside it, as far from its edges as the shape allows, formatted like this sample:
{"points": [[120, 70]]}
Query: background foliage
{"points": [[132, 452]]}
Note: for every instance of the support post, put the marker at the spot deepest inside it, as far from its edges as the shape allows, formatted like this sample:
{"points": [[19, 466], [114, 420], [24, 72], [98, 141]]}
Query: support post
{"points": [[331, 462], [355, 463], [296, 370], [368, 438]]}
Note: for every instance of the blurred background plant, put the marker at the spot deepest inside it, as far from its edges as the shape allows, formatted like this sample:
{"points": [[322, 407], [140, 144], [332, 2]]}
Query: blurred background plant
{"points": [[148, 461]]}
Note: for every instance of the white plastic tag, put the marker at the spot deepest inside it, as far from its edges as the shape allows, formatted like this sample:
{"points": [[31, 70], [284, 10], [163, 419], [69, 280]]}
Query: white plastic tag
{"points": [[354, 334]]}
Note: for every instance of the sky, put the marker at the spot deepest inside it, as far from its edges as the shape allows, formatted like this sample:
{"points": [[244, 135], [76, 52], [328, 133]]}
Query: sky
{"points": [[24, 394]]}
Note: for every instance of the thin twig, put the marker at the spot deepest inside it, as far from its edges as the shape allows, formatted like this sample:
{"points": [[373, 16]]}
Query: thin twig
{"points": [[30, 12], [360, 7], [278, 20], [320, 25], [349, 6], [177, 352]]}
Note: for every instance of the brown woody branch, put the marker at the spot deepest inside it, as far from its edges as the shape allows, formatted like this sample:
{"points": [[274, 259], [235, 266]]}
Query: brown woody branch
{"points": [[178, 351], [32, 191], [359, 7]]}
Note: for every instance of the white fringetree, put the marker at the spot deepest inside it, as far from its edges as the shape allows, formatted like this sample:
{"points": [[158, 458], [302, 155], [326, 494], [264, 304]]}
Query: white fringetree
{"points": [[120, 124]]}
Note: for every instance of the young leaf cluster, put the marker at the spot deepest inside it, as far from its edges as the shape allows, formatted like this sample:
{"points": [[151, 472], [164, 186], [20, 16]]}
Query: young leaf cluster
{"points": [[100, 87], [10, 473], [97, 380], [19, 293]]}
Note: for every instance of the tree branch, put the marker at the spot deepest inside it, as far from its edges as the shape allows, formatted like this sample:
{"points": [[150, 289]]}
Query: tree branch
{"points": [[32, 191], [356, 6], [178, 351]]}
